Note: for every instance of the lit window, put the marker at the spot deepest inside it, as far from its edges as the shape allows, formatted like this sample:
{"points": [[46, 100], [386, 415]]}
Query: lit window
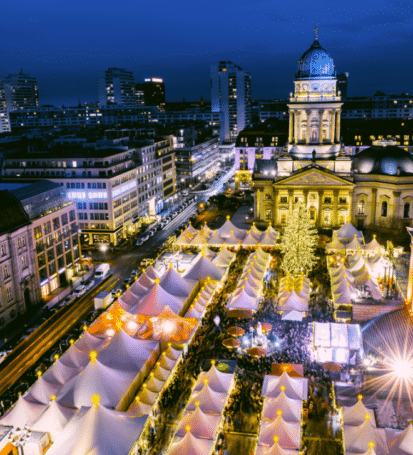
{"points": [[360, 207], [384, 209]]}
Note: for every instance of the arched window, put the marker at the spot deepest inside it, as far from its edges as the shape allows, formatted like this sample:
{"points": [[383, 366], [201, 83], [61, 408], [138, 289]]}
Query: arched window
{"points": [[360, 207], [406, 210], [384, 208]]}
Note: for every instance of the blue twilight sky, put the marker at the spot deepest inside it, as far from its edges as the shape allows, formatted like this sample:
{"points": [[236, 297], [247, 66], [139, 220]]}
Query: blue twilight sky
{"points": [[64, 43]]}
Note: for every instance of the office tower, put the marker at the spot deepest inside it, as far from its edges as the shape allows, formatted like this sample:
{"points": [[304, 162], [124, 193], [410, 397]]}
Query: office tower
{"points": [[231, 95], [116, 86], [153, 90], [20, 92], [342, 80], [4, 115]]}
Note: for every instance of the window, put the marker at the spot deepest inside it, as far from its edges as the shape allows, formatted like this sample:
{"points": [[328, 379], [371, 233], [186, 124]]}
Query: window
{"points": [[72, 215], [37, 232], [65, 219], [360, 207], [342, 200], [19, 243], [6, 271], [3, 250], [283, 218], [327, 200], [283, 200], [312, 213], [384, 209], [327, 218], [9, 294], [56, 223], [47, 228], [23, 241], [268, 214], [406, 210], [24, 262]]}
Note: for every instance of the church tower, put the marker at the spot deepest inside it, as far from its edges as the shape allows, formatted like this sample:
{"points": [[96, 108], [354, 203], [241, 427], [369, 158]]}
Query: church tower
{"points": [[315, 107]]}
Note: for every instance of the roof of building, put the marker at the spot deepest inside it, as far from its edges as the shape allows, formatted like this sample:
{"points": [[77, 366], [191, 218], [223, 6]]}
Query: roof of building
{"points": [[316, 63], [27, 191], [13, 215], [390, 160]]}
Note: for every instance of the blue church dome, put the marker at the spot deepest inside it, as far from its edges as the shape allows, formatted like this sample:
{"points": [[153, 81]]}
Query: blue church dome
{"points": [[316, 63]]}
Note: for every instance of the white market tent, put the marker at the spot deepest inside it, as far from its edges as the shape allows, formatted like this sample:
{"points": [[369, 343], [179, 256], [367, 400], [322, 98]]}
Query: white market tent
{"points": [[355, 245], [275, 449], [225, 231], [210, 401], [356, 415], [41, 391], [291, 409], [347, 233], [175, 284], [293, 302], [202, 425], [402, 443], [216, 380], [295, 388], [190, 445], [60, 373], [54, 419], [243, 301], [109, 383], [335, 244], [108, 432], [289, 434], [201, 268], [22, 413], [357, 438], [292, 315]]}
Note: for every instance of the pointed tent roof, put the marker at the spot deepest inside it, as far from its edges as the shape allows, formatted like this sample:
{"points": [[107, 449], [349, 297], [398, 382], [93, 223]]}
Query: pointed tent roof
{"points": [[210, 402], [340, 286], [355, 244], [217, 381], [255, 232], [335, 244], [190, 445], [147, 396], [291, 409], [152, 273], [54, 419], [199, 239], [249, 239], [201, 268], [251, 290], [347, 231], [374, 288], [232, 239], [154, 302], [225, 230], [295, 388], [353, 258], [127, 353], [356, 415], [60, 373], [206, 231], [41, 391], [153, 384], [209, 253], [344, 297], [172, 353], [145, 281], [215, 239], [222, 260], [99, 379], [276, 449], [293, 302], [289, 433], [22, 413], [100, 422], [357, 438], [74, 358], [185, 237], [202, 425], [292, 315], [137, 408], [173, 283], [160, 373], [243, 300], [267, 239], [374, 245], [89, 342], [402, 444]]}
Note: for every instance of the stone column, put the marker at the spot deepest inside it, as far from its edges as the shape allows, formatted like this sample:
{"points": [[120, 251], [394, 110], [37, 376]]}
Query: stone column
{"points": [[258, 205], [291, 128], [320, 206], [373, 206], [396, 208], [334, 221], [290, 199], [338, 114], [320, 125], [307, 133], [296, 126], [332, 126], [275, 212]]}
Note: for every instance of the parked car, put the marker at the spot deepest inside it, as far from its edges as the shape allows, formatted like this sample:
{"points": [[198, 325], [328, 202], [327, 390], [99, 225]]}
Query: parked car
{"points": [[134, 273], [68, 299], [80, 290], [89, 284], [140, 242]]}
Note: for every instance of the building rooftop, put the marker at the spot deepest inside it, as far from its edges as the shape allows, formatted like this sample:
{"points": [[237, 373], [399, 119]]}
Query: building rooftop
{"points": [[28, 190], [13, 215]]}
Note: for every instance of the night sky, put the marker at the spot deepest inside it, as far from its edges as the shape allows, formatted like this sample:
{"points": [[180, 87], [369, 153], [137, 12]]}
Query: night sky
{"points": [[65, 43]]}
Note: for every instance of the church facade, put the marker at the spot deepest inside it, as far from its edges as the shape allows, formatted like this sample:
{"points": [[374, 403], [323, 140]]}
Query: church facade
{"points": [[373, 189]]}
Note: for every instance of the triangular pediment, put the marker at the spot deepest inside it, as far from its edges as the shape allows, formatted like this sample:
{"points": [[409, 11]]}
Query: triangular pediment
{"points": [[314, 176]]}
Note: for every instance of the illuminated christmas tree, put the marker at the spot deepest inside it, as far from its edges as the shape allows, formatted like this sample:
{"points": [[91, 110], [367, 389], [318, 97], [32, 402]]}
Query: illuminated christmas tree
{"points": [[299, 242]]}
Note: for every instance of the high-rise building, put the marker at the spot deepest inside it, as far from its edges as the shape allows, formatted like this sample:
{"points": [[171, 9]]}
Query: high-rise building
{"points": [[231, 95], [116, 86], [153, 91], [342, 80], [20, 92], [4, 115]]}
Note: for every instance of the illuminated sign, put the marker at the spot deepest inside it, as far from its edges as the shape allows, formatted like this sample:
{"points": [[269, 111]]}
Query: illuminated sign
{"points": [[89, 194], [124, 188]]}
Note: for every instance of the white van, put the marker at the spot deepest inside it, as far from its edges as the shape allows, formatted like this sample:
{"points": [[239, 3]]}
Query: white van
{"points": [[102, 270]]}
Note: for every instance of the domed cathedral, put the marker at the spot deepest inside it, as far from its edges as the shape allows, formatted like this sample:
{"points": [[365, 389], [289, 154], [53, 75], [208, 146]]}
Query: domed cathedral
{"points": [[373, 190]]}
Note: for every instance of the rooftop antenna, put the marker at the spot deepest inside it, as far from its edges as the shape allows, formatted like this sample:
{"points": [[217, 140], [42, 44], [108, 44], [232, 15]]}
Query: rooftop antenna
{"points": [[316, 33]]}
